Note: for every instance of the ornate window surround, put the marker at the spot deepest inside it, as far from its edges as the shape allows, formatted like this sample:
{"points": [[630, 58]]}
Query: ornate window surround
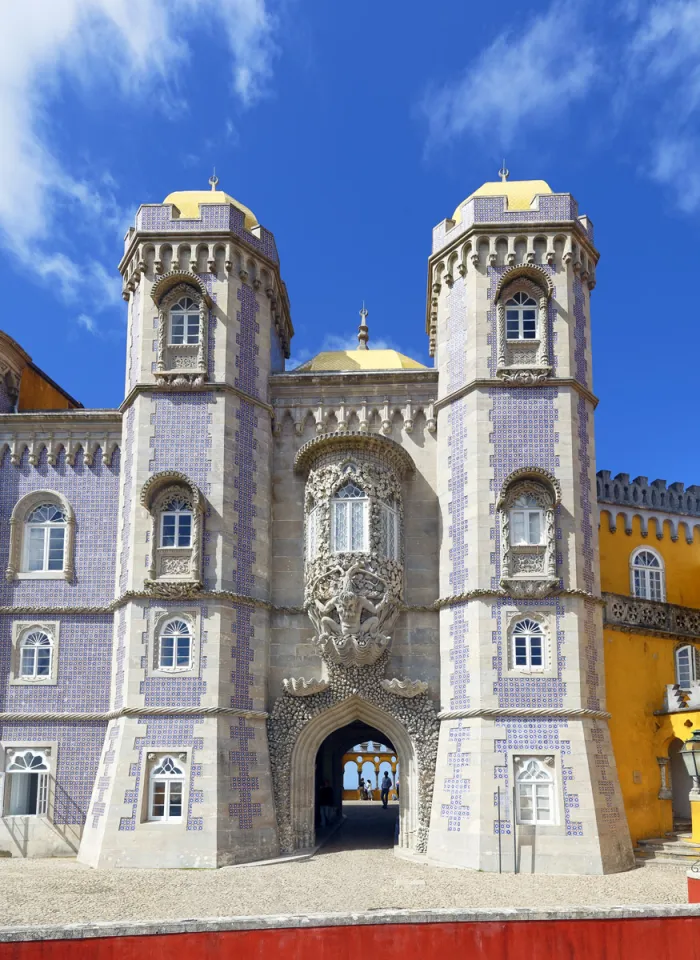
{"points": [[20, 512], [535, 282], [166, 292], [153, 760], [661, 570], [693, 664], [544, 487], [549, 666], [49, 751], [157, 492], [20, 628], [162, 617], [548, 765]]}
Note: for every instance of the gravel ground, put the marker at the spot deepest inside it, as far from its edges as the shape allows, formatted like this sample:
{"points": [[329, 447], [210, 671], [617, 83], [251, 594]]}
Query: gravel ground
{"points": [[337, 879]]}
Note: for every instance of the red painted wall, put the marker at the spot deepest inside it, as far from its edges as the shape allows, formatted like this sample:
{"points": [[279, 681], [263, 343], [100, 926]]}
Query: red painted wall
{"points": [[643, 939]]}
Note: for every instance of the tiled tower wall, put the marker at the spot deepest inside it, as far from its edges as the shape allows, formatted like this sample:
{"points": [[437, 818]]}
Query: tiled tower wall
{"points": [[219, 438], [85, 640], [483, 436]]}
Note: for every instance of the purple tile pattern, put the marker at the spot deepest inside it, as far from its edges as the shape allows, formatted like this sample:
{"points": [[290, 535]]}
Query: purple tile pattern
{"points": [[245, 489], [457, 784], [529, 691], [247, 361], [134, 341], [455, 307], [244, 809], [458, 528], [580, 335], [93, 493]]}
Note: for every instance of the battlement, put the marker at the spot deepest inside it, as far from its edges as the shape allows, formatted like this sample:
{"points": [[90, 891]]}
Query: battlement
{"points": [[657, 495]]}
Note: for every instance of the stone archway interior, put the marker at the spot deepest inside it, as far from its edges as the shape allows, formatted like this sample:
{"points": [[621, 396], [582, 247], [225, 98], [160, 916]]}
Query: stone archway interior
{"points": [[329, 759]]}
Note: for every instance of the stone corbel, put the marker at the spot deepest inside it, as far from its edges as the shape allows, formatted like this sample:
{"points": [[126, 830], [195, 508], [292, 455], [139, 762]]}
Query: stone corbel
{"points": [[211, 265], [299, 687], [17, 449], [407, 689], [431, 422], [362, 417], [408, 417], [35, 449], [386, 418]]}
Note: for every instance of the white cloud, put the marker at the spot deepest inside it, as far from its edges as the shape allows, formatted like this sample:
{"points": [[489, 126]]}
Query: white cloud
{"points": [[132, 50], [522, 78], [87, 323]]}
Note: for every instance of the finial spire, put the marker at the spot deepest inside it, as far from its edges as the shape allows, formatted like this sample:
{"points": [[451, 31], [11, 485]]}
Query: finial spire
{"points": [[214, 180], [504, 172], [363, 332]]}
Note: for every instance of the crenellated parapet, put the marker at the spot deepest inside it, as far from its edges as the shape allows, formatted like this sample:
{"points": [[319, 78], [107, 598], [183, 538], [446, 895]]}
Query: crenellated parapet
{"points": [[657, 495], [79, 436]]}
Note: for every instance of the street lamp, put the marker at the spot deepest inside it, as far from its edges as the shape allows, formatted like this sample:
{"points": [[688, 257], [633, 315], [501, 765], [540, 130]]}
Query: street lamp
{"points": [[691, 758]]}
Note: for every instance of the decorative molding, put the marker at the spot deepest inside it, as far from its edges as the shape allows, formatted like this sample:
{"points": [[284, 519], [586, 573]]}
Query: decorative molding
{"points": [[491, 382], [298, 687], [639, 494], [180, 580], [381, 413], [536, 366], [632, 615], [217, 387], [371, 443], [49, 717], [171, 362], [530, 473], [572, 713], [407, 689], [529, 570], [80, 448], [533, 272], [174, 278]]}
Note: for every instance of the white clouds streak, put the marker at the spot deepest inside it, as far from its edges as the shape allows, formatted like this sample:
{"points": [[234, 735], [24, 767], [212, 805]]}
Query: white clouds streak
{"points": [[521, 78], [134, 52]]}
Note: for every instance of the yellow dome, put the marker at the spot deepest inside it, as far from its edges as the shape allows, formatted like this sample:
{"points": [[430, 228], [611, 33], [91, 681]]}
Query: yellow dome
{"points": [[519, 194], [360, 360], [188, 201]]}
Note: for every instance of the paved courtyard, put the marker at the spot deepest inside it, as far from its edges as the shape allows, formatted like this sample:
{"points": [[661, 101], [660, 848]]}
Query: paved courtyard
{"points": [[355, 871]]}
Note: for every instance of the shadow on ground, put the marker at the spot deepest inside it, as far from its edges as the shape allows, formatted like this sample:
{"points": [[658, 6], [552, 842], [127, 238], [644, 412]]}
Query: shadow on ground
{"points": [[366, 826]]}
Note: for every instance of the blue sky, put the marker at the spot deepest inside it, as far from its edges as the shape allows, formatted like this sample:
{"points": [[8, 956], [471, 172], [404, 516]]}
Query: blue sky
{"points": [[351, 129]]}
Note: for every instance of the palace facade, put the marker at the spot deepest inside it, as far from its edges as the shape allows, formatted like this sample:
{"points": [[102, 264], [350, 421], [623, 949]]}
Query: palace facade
{"points": [[212, 593]]}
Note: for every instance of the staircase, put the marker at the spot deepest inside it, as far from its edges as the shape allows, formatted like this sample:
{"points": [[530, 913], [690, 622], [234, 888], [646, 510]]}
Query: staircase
{"points": [[674, 847]]}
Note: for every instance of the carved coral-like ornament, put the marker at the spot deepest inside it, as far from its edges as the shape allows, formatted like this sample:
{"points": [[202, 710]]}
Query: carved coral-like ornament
{"points": [[352, 651], [299, 687], [408, 689]]}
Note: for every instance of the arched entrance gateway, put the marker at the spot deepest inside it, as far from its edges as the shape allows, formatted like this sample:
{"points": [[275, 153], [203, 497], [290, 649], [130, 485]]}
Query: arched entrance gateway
{"points": [[353, 593]]}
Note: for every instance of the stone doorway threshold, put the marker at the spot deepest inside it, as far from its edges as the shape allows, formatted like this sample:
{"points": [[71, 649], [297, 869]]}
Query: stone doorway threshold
{"points": [[298, 856]]}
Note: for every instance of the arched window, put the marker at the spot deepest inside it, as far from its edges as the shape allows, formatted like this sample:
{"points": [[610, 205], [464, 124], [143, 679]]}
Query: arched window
{"points": [[390, 532], [687, 666], [527, 640], [521, 317], [176, 524], [526, 521], [175, 646], [28, 784], [349, 520], [647, 575], [184, 322], [35, 654], [312, 534], [45, 539], [534, 790], [166, 788]]}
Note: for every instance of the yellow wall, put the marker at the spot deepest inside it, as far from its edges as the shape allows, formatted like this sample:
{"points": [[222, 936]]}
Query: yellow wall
{"points": [[36, 393], [637, 669]]}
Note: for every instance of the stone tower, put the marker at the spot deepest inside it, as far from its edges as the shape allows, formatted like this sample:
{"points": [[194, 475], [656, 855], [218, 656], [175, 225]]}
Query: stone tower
{"points": [[196, 431], [524, 725]]}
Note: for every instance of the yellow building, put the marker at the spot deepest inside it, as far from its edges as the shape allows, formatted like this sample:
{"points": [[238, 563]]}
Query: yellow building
{"points": [[650, 579]]}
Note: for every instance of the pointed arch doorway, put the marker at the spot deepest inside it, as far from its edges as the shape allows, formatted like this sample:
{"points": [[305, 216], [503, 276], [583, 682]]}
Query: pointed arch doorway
{"points": [[294, 750]]}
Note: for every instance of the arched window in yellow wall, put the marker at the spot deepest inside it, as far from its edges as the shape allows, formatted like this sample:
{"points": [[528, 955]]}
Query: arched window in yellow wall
{"points": [[647, 575], [687, 666]]}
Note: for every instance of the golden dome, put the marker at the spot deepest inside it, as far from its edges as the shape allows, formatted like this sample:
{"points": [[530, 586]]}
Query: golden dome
{"points": [[348, 360], [519, 194], [188, 201]]}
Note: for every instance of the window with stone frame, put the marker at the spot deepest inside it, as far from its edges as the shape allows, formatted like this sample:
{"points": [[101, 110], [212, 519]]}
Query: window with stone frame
{"points": [[390, 534], [27, 782], [534, 790], [687, 666], [42, 538], [175, 506], [528, 646], [183, 317], [174, 645], [523, 325], [350, 519], [166, 788], [647, 575], [34, 659], [528, 532]]}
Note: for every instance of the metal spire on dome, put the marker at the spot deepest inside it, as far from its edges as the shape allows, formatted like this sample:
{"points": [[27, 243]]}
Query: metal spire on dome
{"points": [[214, 180], [504, 172], [363, 331]]}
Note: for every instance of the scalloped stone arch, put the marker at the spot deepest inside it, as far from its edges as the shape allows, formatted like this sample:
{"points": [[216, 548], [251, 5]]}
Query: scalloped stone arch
{"points": [[156, 487], [303, 762], [529, 271], [172, 279], [400, 460], [530, 473], [21, 511]]}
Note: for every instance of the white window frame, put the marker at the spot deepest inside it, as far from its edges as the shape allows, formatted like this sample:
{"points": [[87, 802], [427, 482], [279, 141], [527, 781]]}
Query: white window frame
{"points": [[390, 517], [528, 787], [345, 504], [312, 534], [175, 667], [645, 577], [42, 773], [168, 779], [21, 629], [46, 527], [526, 513], [693, 666], [531, 628], [186, 313], [520, 307], [35, 648], [178, 514]]}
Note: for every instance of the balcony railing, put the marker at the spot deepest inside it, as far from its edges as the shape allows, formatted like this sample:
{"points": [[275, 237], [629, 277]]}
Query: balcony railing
{"points": [[650, 616]]}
